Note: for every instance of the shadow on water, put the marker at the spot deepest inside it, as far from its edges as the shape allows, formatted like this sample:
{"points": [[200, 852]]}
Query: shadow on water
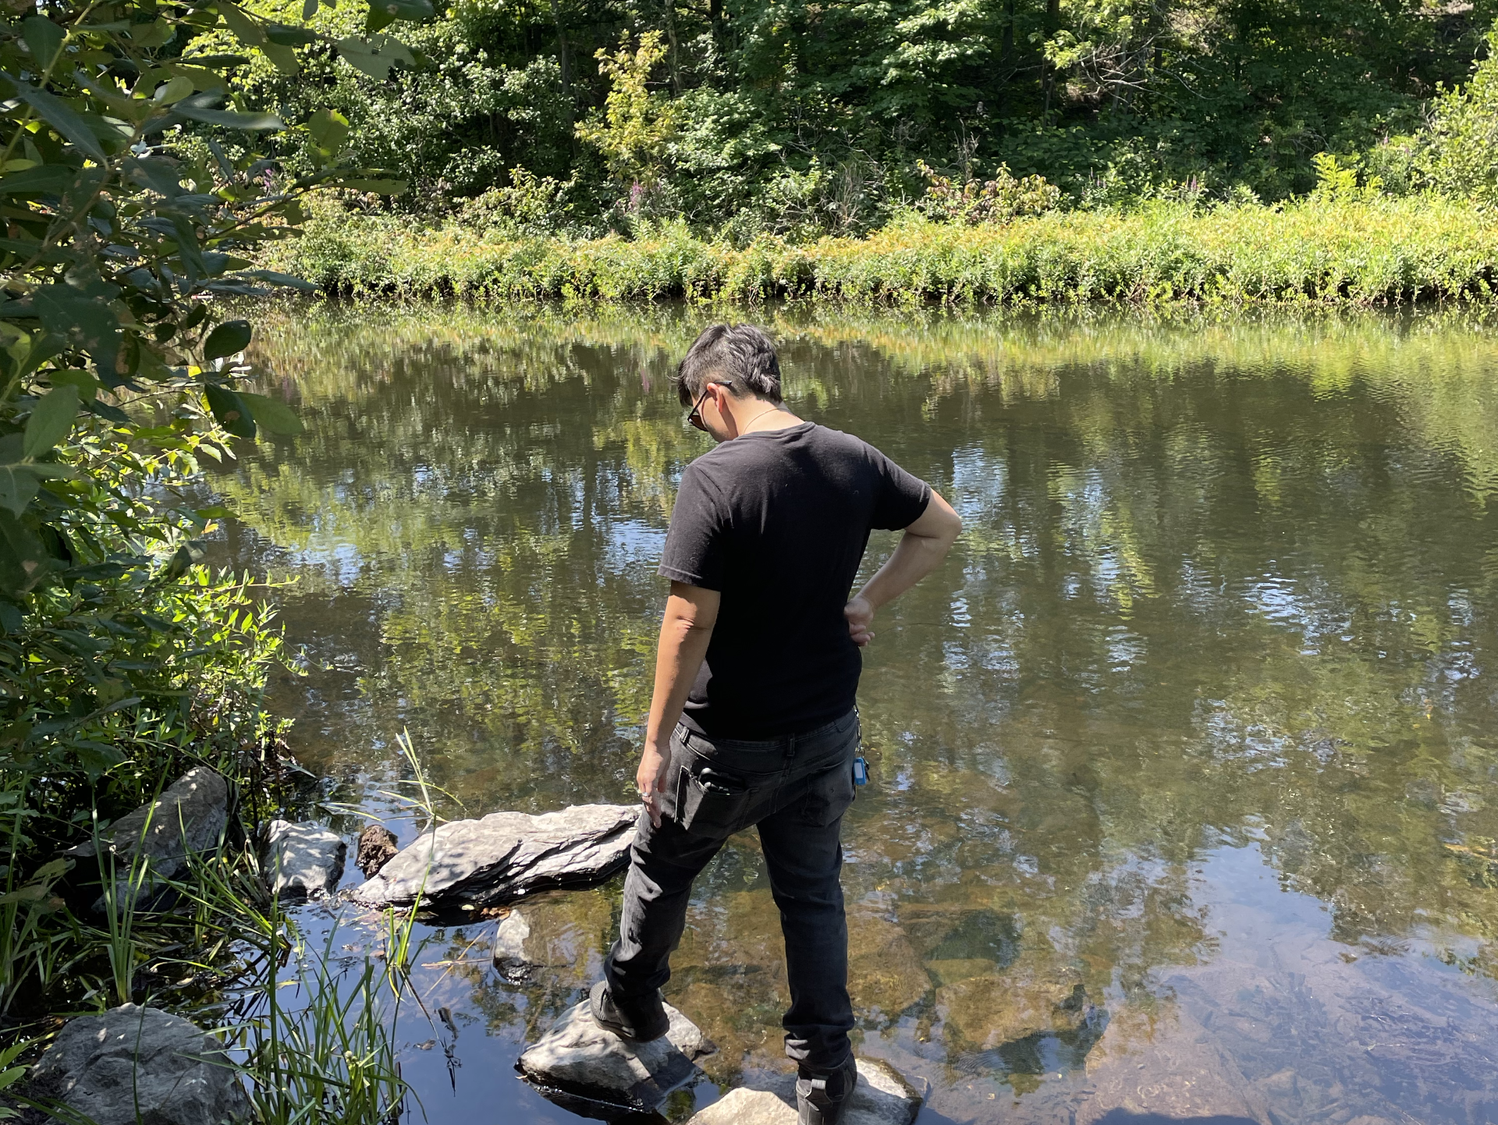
{"points": [[1182, 765]]}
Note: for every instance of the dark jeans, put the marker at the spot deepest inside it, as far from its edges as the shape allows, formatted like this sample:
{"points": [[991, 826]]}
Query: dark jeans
{"points": [[796, 789]]}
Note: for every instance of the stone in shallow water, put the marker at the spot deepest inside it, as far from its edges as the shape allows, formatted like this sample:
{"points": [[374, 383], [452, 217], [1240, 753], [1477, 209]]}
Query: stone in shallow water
{"points": [[302, 858], [377, 847], [882, 1097], [579, 1058], [103, 1066], [472, 864], [189, 816]]}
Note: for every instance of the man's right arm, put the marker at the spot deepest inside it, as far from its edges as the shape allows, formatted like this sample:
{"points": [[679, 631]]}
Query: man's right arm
{"points": [[924, 544]]}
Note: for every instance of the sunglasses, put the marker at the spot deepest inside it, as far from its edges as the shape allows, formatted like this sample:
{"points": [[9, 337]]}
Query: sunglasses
{"points": [[693, 417]]}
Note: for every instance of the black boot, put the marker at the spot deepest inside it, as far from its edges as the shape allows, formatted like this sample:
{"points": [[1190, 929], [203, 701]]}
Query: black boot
{"points": [[822, 1098], [638, 1021]]}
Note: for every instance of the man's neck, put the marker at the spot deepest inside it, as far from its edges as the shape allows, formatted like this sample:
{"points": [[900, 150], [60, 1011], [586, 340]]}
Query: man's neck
{"points": [[760, 416]]}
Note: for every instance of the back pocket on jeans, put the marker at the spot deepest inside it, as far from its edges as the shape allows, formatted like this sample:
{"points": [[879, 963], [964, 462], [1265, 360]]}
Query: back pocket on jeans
{"points": [[829, 795], [709, 803]]}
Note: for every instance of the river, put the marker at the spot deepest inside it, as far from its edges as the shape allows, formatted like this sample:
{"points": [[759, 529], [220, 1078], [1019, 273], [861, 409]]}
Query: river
{"points": [[1183, 764]]}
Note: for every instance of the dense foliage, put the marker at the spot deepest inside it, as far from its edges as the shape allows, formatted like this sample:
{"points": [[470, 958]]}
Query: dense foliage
{"points": [[135, 196], [790, 117]]}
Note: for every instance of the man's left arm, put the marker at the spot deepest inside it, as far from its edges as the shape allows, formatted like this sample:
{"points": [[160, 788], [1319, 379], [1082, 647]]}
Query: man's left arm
{"points": [[686, 629]]}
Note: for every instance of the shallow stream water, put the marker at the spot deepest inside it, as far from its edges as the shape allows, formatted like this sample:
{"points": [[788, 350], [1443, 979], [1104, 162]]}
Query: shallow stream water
{"points": [[1184, 766]]}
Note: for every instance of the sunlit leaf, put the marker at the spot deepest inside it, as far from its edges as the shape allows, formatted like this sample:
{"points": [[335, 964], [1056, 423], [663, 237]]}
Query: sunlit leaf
{"points": [[58, 114], [374, 56]]}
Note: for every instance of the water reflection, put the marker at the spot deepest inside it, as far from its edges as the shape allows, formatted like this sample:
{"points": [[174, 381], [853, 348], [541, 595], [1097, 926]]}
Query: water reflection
{"points": [[1182, 765]]}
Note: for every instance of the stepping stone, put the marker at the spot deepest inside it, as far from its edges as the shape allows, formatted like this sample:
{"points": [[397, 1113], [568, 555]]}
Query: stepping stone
{"points": [[882, 1097], [579, 1058], [471, 865], [302, 859]]}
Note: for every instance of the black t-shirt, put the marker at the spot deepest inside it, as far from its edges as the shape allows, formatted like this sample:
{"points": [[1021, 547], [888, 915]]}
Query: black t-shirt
{"points": [[777, 521]]}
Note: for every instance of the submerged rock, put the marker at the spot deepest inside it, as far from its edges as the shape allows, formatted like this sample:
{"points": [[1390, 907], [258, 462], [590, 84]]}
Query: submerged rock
{"points": [[377, 847], [303, 858], [882, 1097], [581, 1059], [104, 1066], [510, 954], [189, 816], [472, 864]]}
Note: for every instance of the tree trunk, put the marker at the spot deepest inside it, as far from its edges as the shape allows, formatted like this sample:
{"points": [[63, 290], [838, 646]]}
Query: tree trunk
{"points": [[1052, 25], [566, 62]]}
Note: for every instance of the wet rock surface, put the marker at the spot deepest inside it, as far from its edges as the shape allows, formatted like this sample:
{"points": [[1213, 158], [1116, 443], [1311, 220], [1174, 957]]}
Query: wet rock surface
{"points": [[579, 1058], [104, 1066], [189, 816], [473, 864], [302, 859], [377, 847], [882, 1097]]}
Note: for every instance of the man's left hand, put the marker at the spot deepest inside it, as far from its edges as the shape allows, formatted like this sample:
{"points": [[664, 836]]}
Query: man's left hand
{"points": [[860, 615]]}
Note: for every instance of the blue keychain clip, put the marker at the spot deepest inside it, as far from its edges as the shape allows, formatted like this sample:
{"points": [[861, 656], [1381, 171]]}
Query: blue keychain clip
{"points": [[860, 772]]}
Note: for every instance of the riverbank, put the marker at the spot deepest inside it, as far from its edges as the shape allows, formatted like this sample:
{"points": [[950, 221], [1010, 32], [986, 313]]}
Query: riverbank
{"points": [[1368, 251]]}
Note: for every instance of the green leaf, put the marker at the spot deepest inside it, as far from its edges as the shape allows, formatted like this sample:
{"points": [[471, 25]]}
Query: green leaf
{"points": [[374, 56], [272, 414], [48, 179], [309, 9], [232, 412], [22, 557], [287, 279], [245, 28], [328, 128], [82, 320], [50, 420], [18, 487], [289, 36], [194, 109], [284, 58], [228, 338], [43, 39], [58, 114], [81, 381]]}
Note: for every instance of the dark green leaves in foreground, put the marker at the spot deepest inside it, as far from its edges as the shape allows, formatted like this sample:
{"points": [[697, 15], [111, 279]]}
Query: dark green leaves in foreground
{"points": [[136, 190]]}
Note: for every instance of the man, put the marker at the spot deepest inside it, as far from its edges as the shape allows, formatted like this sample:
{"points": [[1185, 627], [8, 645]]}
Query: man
{"points": [[759, 661]]}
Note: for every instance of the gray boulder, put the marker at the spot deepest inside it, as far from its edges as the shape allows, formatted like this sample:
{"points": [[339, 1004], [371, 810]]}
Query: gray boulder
{"points": [[302, 859], [882, 1097], [106, 1066], [581, 1059], [511, 957], [189, 816], [474, 864]]}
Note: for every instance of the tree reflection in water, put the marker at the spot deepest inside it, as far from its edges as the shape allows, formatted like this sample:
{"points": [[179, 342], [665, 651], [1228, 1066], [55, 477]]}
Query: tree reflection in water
{"points": [[1228, 590]]}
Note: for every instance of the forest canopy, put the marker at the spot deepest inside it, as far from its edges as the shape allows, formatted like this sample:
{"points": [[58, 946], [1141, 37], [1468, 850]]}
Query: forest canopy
{"points": [[802, 117]]}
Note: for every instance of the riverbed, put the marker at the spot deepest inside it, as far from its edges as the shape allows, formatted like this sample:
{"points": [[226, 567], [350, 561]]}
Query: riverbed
{"points": [[1184, 766]]}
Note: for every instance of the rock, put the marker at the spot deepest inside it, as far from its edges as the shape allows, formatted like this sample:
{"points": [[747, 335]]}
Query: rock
{"points": [[303, 858], [509, 947], [882, 1097], [377, 847], [579, 1058], [473, 864], [189, 816], [1024, 1000], [104, 1066]]}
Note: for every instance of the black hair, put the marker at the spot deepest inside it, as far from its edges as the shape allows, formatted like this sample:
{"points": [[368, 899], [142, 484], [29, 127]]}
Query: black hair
{"points": [[738, 355]]}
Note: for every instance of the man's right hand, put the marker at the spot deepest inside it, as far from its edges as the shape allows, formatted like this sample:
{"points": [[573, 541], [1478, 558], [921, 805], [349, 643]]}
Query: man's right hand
{"points": [[650, 780], [860, 615]]}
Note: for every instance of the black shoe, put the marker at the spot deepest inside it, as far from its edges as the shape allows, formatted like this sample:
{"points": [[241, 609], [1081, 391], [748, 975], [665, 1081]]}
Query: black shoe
{"points": [[639, 1021], [822, 1098]]}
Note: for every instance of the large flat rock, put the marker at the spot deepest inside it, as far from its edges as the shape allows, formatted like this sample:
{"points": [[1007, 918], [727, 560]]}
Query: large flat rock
{"points": [[581, 1059], [189, 816], [882, 1097], [104, 1066], [472, 864]]}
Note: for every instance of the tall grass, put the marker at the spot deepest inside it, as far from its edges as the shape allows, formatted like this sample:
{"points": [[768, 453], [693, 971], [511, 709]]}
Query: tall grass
{"points": [[1317, 249]]}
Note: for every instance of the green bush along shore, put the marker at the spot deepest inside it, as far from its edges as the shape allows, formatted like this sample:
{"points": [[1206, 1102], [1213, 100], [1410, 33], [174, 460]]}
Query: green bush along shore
{"points": [[1365, 249]]}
